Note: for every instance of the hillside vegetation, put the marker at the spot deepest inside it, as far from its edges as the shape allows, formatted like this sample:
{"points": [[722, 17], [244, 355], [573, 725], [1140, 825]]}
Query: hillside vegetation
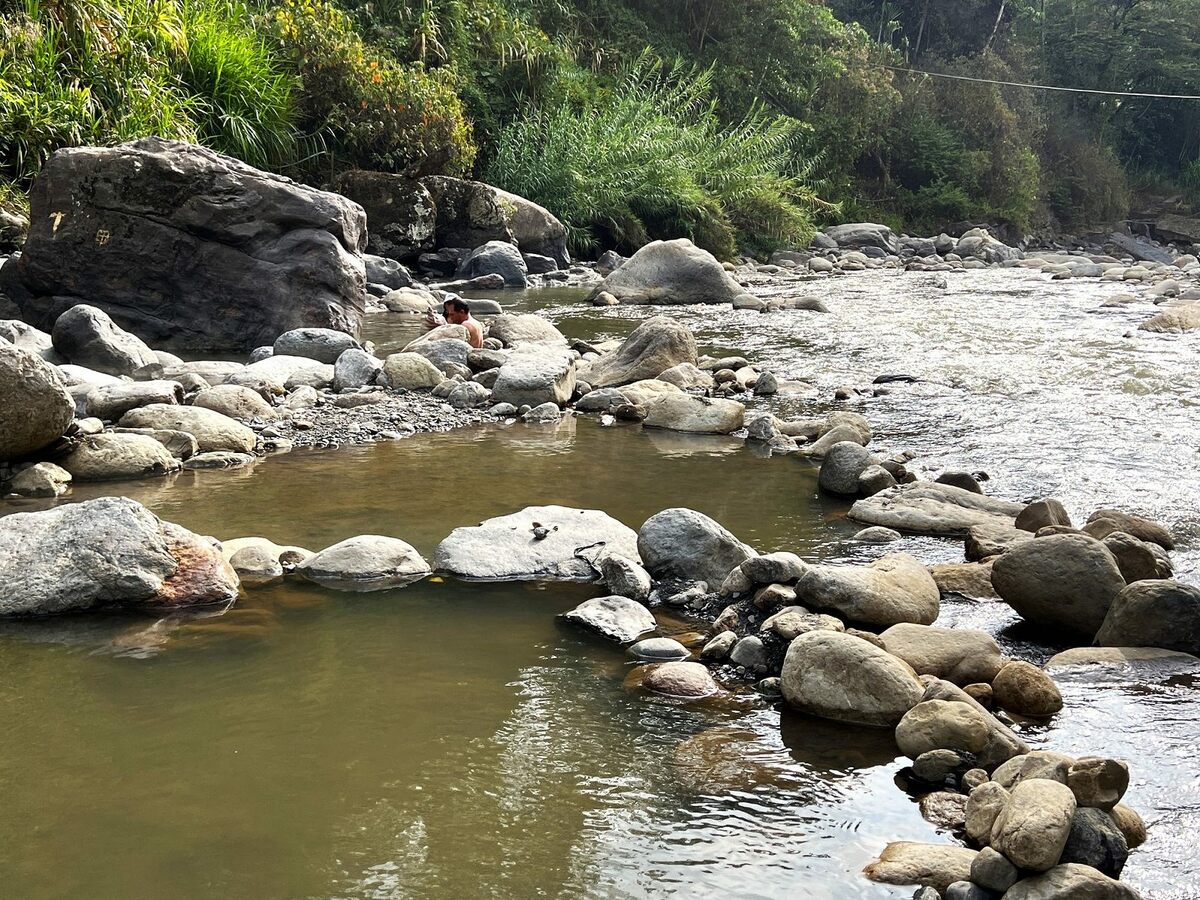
{"points": [[744, 125]]}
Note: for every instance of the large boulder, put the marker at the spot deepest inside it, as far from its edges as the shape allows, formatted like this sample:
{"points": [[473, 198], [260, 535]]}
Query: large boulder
{"points": [[188, 248], [1157, 613], [35, 407], [842, 466], [324, 345], [401, 214], [616, 618], [1064, 581], [25, 336], [653, 347], [1033, 826], [1105, 521], [539, 542], [105, 456], [683, 543], [410, 372], [212, 430], [533, 375], [896, 588], [1071, 881], [697, 415], [367, 562], [670, 273], [857, 235], [103, 553], [496, 258], [936, 509], [88, 337], [515, 330], [235, 401], [960, 655], [534, 228], [941, 725], [845, 678], [111, 401]]}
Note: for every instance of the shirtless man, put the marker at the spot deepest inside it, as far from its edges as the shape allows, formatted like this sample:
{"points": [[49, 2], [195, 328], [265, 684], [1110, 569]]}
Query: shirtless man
{"points": [[456, 311]]}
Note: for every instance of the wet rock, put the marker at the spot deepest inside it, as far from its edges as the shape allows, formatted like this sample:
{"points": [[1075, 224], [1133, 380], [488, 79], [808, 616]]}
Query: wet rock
{"points": [[992, 871], [1047, 765], [944, 809], [1071, 881], [220, 459], [324, 345], [1126, 659], [212, 430], [1066, 581], [941, 725], [934, 865], [1096, 841], [615, 618], [750, 653], [670, 272], [111, 401], [1098, 782], [496, 258], [88, 337], [1033, 827], [1026, 690], [1002, 743], [354, 369], [877, 534], [367, 562], [410, 371], [984, 805], [236, 402], [36, 408], [539, 542], [793, 621], [836, 676], [1159, 613], [964, 480], [680, 679], [106, 552], [1042, 513], [844, 462], [625, 577], [933, 509], [934, 766], [719, 647], [41, 480], [893, 589], [959, 655], [972, 580], [1138, 560], [992, 539], [660, 648], [107, 456], [256, 567], [1106, 521], [1130, 823], [683, 543]]}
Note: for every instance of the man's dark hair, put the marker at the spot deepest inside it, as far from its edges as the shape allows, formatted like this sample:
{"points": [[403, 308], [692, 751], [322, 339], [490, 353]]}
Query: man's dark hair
{"points": [[459, 304]]}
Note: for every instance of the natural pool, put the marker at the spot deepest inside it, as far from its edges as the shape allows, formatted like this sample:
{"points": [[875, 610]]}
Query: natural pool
{"points": [[452, 740]]}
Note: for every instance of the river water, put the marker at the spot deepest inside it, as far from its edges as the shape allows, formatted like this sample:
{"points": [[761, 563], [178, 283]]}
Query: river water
{"points": [[452, 740]]}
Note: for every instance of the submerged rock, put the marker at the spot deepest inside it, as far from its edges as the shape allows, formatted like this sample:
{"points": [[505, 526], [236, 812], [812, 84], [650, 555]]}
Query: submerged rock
{"points": [[935, 865], [680, 679], [1022, 688], [698, 415], [105, 456]]}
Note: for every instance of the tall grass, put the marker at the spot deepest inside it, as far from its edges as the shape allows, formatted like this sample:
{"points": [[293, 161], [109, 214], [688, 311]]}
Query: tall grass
{"points": [[650, 158]]}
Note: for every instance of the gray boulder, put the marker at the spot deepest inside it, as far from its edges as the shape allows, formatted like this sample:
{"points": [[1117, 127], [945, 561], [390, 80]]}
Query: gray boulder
{"points": [[858, 235], [106, 456], [844, 463], [844, 678], [668, 273], [226, 256], [88, 337], [387, 272], [697, 415], [616, 618], [40, 480], [368, 562], [355, 368], [111, 401], [539, 542], [655, 346], [401, 212], [448, 356], [212, 430], [322, 344], [1159, 613], [515, 330], [896, 588], [624, 577], [934, 509], [683, 543], [102, 553], [35, 407], [535, 374], [496, 258]]}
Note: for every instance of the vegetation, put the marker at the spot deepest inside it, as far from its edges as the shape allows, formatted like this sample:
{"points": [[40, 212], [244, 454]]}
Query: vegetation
{"points": [[742, 125]]}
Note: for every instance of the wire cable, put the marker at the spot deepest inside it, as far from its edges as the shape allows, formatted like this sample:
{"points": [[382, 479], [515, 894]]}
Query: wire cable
{"points": [[1042, 87]]}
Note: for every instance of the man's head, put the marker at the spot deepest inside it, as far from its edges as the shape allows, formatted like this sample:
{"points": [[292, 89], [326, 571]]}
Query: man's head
{"points": [[456, 310]]}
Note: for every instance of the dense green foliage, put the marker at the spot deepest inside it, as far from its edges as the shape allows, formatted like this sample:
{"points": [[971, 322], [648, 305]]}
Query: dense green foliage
{"points": [[740, 124]]}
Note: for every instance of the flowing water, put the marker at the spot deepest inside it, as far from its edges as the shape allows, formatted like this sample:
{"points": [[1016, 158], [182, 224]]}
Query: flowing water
{"points": [[452, 740]]}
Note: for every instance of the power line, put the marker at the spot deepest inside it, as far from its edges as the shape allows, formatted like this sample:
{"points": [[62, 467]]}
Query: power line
{"points": [[1042, 87]]}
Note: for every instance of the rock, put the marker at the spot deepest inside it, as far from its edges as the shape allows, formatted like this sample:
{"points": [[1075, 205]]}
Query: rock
{"points": [[1126, 659], [1041, 513], [101, 457], [1098, 782], [545, 412], [680, 679], [282, 373], [235, 401], [197, 228], [35, 407], [41, 480], [409, 300], [107, 552], [964, 480], [793, 621], [496, 258], [971, 580], [1137, 560], [1065, 581], [179, 444], [687, 377], [516, 330], [750, 653], [470, 213], [863, 234], [944, 809], [874, 479], [256, 567], [670, 272], [659, 649], [934, 509], [354, 369], [656, 346], [697, 415], [1177, 317], [683, 543], [941, 725], [837, 676], [88, 337], [288, 557], [212, 430], [624, 577], [448, 355], [28, 338], [1160, 613], [1130, 823], [984, 806], [539, 542], [602, 400], [410, 372], [1042, 764], [470, 395], [615, 618], [386, 272], [400, 210], [322, 344], [877, 534], [719, 647], [766, 386], [934, 766], [992, 539], [536, 374], [1033, 827], [1002, 744], [980, 692], [934, 865], [844, 462], [1070, 881], [1026, 690], [111, 401], [960, 655], [219, 459], [1140, 528], [893, 589], [992, 871], [368, 562]]}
